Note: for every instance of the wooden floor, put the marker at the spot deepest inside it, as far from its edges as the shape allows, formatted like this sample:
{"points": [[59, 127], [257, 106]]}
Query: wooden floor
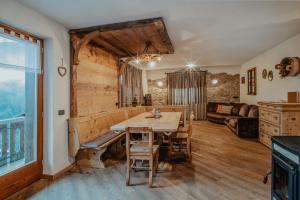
{"points": [[224, 167]]}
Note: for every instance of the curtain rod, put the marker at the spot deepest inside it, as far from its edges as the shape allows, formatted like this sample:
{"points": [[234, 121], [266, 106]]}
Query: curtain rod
{"points": [[185, 71]]}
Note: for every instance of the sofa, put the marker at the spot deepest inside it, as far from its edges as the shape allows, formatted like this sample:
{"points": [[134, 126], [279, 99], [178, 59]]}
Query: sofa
{"points": [[240, 118]]}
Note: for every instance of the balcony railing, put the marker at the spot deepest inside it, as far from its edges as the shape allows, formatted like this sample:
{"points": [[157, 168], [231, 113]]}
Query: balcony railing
{"points": [[11, 140]]}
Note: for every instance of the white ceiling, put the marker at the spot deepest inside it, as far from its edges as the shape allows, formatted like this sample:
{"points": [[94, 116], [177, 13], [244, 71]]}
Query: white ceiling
{"points": [[216, 33]]}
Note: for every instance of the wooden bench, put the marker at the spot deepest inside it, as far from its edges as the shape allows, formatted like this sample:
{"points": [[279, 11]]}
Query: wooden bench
{"points": [[89, 136]]}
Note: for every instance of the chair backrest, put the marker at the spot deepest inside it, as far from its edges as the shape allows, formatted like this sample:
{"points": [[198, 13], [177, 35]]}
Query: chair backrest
{"points": [[139, 136]]}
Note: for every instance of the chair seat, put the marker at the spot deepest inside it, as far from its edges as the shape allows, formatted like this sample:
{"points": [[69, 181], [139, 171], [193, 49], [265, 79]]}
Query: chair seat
{"points": [[184, 129], [182, 135], [143, 148]]}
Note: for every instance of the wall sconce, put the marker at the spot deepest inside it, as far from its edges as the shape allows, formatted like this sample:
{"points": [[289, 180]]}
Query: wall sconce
{"points": [[160, 83], [214, 81]]}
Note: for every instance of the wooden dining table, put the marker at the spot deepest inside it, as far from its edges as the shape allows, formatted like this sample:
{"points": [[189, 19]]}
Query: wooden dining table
{"points": [[168, 122]]}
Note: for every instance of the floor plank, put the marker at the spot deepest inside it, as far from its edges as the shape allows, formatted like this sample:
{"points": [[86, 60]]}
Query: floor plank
{"points": [[224, 167]]}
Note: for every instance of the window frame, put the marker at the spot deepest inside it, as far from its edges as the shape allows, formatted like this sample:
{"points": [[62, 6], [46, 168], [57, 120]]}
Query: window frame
{"points": [[11, 182]]}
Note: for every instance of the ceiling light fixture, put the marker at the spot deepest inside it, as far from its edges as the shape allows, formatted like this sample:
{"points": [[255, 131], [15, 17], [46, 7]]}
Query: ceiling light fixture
{"points": [[152, 64], [160, 83], [146, 57], [214, 81], [190, 65], [137, 61]]}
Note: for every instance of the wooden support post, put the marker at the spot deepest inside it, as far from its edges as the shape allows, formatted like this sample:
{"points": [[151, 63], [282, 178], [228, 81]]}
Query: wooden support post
{"points": [[12, 153], [3, 132], [90, 158]]}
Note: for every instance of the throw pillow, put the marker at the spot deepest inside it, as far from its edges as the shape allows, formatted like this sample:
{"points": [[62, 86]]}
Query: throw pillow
{"points": [[219, 108], [244, 110], [253, 112], [225, 110]]}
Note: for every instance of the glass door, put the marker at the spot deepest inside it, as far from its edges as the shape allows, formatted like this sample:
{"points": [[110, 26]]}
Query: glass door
{"points": [[20, 112]]}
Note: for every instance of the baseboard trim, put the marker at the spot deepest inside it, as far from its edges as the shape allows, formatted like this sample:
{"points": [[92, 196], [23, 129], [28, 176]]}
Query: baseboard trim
{"points": [[58, 174]]}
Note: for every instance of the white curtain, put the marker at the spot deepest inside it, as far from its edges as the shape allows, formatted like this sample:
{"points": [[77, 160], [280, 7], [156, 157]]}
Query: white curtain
{"points": [[16, 53]]}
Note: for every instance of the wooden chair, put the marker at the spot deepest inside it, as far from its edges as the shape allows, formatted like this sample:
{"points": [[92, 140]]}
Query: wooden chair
{"points": [[141, 149], [182, 140]]}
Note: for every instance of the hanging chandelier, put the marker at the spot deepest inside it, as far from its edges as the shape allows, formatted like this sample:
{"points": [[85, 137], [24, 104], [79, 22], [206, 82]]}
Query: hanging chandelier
{"points": [[145, 58]]}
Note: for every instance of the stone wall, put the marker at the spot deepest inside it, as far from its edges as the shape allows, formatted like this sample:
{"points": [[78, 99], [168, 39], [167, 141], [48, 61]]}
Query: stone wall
{"points": [[227, 87], [224, 90], [158, 93]]}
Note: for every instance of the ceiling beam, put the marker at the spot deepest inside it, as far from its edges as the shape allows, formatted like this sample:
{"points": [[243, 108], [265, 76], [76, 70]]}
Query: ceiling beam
{"points": [[116, 26], [121, 38], [161, 28]]}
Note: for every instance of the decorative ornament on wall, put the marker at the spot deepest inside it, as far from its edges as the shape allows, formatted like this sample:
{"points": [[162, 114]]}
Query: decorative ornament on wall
{"points": [[62, 71], [270, 75], [289, 66], [264, 74]]}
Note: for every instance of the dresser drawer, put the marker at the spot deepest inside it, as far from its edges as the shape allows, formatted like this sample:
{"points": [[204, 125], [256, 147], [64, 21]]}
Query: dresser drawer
{"points": [[265, 139], [268, 116], [269, 128]]}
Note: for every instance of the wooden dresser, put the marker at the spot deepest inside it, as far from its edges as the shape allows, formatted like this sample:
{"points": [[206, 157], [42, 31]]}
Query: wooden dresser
{"points": [[280, 119]]}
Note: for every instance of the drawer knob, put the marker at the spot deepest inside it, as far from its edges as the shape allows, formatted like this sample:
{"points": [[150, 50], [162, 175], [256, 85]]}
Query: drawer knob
{"points": [[294, 118]]}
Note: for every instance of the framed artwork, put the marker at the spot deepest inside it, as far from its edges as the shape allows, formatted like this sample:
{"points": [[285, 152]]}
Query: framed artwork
{"points": [[251, 75], [270, 75], [264, 74]]}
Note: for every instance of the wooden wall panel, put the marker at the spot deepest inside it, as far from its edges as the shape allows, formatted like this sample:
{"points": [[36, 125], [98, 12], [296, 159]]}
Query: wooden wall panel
{"points": [[97, 82]]}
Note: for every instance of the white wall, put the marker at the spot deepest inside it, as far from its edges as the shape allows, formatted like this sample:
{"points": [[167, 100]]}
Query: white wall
{"points": [[144, 82], [56, 88], [277, 89]]}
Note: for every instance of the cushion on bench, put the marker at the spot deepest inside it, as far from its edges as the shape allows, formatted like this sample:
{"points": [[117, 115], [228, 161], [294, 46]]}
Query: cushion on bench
{"points": [[97, 142]]}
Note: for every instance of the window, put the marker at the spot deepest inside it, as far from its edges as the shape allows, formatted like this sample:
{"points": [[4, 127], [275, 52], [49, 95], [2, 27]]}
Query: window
{"points": [[20, 66]]}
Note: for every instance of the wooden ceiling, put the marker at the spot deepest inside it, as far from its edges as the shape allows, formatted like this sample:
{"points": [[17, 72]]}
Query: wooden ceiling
{"points": [[126, 39]]}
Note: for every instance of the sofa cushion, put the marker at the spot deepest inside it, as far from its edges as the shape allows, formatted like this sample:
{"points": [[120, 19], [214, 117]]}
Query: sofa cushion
{"points": [[253, 111], [236, 109], [217, 115], [232, 122], [244, 110]]}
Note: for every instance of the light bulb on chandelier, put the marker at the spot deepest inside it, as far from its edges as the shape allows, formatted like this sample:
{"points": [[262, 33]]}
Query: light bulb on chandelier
{"points": [[152, 64]]}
